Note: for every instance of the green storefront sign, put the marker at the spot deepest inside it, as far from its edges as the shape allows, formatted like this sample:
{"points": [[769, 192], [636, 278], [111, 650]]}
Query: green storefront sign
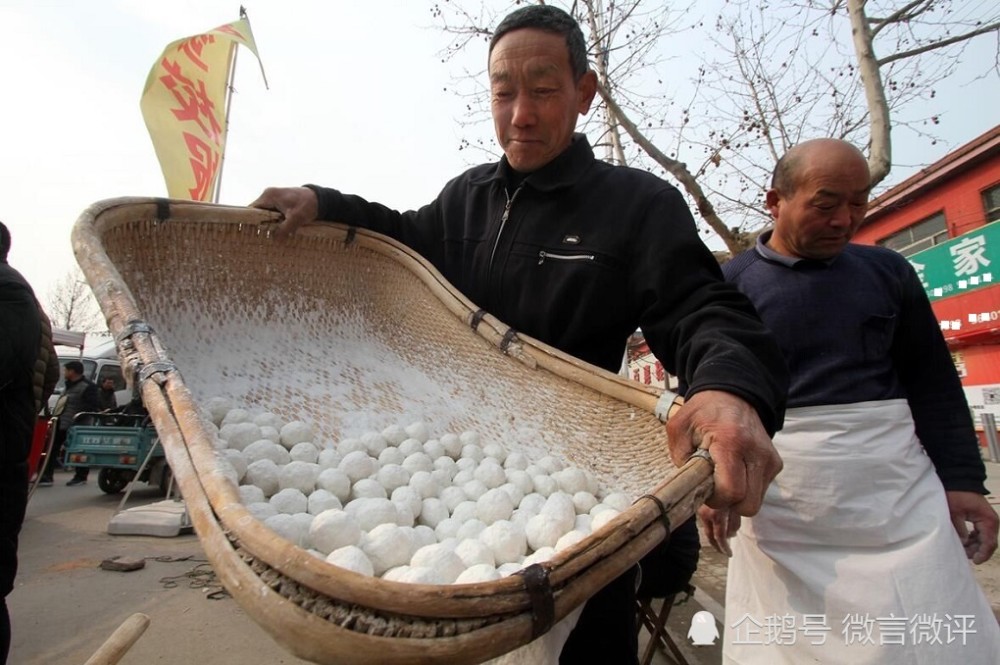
{"points": [[966, 263]]}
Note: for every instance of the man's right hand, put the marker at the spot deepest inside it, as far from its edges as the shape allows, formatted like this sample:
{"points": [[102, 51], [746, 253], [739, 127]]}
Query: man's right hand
{"points": [[298, 205]]}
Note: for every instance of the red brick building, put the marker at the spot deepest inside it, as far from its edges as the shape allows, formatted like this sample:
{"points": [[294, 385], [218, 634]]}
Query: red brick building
{"points": [[946, 221]]}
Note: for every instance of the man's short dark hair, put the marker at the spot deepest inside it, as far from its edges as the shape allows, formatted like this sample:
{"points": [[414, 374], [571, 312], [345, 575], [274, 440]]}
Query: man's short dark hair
{"points": [[550, 19], [75, 365], [4, 242]]}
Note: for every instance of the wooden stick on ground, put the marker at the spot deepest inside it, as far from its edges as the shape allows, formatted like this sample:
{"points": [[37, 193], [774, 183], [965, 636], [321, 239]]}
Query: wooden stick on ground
{"points": [[120, 641]]}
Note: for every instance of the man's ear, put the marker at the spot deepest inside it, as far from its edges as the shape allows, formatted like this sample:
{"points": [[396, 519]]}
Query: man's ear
{"points": [[586, 89], [771, 200]]}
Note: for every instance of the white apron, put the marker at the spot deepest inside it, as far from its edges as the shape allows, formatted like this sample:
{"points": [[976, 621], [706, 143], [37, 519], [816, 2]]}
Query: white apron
{"points": [[853, 558]]}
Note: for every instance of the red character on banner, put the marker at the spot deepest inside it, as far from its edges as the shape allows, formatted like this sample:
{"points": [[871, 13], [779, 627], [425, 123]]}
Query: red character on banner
{"points": [[194, 101], [193, 48], [204, 165]]}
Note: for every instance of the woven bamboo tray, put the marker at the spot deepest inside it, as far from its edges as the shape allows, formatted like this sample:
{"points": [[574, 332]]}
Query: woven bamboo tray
{"points": [[203, 301]]}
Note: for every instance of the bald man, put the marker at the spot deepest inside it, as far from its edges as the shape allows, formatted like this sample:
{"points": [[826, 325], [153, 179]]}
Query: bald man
{"points": [[859, 551]]}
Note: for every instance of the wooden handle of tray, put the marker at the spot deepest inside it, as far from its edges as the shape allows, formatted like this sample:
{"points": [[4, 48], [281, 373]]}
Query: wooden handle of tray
{"points": [[116, 646]]}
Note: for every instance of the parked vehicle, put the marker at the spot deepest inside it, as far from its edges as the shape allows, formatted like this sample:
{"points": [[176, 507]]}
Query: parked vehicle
{"points": [[123, 446], [97, 365]]}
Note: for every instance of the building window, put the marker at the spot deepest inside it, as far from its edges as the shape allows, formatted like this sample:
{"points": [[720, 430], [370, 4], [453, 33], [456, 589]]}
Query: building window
{"points": [[991, 203], [922, 235]]}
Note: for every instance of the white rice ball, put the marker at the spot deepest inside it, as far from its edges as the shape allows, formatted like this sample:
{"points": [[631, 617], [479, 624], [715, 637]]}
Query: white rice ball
{"points": [[394, 435], [507, 541], [618, 500], [433, 511], [424, 483], [494, 505], [533, 503], [261, 510], [305, 520], [368, 488], [368, 513], [353, 558], [329, 458], [442, 477], [392, 476], [474, 489], [290, 501], [235, 416], [321, 500], [495, 451], [602, 518], [481, 572], [445, 463], [238, 460], [508, 569], [396, 574], [441, 559], [583, 523], [286, 526], [540, 556], [218, 407], [251, 494], [336, 482], [544, 485], [333, 529], [473, 552], [358, 465], [388, 546], [374, 443], [583, 502], [404, 515], [422, 575], [417, 430], [435, 450], [411, 446], [516, 461], [265, 449], [490, 473], [543, 530], [452, 496], [268, 419], [470, 529], [299, 475], [569, 538], [473, 452], [452, 445], [571, 480], [270, 433], [296, 432], [239, 435], [550, 464], [391, 455], [465, 511], [463, 476], [469, 437], [423, 535], [560, 506], [418, 461], [304, 452], [351, 445], [514, 492], [447, 528], [264, 474], [522, 480], [409, 497]]}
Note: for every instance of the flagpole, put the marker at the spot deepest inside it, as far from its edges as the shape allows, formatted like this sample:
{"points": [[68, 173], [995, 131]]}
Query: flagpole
{"points": [[234, 51]]}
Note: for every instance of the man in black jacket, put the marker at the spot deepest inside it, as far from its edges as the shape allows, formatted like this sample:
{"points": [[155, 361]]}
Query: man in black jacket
{"points": [[20, 335], [79, 396], [578, 254]]}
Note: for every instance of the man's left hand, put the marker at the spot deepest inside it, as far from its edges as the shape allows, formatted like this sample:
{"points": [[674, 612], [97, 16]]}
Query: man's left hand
{"points": [[981, 542]]}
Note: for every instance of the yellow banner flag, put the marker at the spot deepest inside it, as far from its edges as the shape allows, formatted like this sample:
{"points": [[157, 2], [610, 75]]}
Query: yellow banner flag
{"points": [[184, 106]]}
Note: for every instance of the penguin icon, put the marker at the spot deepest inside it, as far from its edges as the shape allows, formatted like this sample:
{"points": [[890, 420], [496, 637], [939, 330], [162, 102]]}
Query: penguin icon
{"points": [[703, 630]]}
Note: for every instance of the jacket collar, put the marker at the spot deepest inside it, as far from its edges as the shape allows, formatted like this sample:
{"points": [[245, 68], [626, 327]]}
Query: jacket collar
{"points": [[563, 171]]}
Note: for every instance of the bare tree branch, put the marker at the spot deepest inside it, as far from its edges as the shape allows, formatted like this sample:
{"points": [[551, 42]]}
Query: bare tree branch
{"points": [[993, 27]]}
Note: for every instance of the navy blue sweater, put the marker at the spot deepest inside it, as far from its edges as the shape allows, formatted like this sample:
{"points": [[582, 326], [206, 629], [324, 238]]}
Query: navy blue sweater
{"points": [[859, 328]]}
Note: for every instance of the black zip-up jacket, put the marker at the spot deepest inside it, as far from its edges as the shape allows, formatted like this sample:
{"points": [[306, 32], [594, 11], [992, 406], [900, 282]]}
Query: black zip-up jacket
{"points": [[579, 254]]}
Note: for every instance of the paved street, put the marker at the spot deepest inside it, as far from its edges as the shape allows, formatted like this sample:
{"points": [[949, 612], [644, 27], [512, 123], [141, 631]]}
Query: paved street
{"points": [[64, 606]]}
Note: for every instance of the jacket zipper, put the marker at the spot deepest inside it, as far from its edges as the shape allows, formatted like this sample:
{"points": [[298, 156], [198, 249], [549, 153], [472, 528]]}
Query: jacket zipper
{"points": [[542, 255], [503, 221]]}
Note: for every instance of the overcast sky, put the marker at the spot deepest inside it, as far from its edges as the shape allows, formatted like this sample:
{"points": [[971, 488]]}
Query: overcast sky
{"points": [[357, 100]]}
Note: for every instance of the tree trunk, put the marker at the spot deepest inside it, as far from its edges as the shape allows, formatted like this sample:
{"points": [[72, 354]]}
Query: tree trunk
{"points": [[880, 151]]}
